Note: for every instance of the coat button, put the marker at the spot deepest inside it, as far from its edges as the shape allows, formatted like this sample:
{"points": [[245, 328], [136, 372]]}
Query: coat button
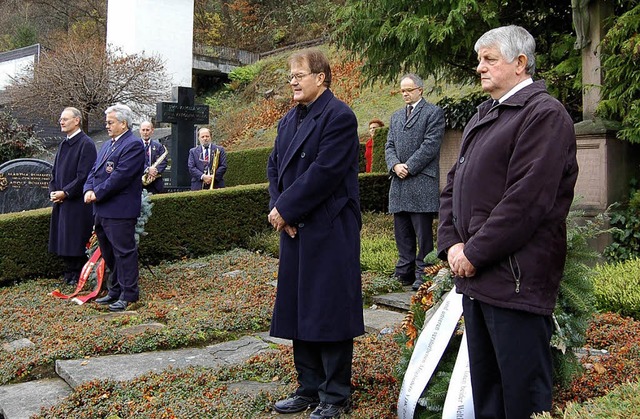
{"points": [[461, 160], [302, 155]]}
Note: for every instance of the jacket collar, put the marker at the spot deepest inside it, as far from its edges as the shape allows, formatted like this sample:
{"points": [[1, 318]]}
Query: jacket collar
{"points": [[415, 113], [519, 99], [304, 130]]}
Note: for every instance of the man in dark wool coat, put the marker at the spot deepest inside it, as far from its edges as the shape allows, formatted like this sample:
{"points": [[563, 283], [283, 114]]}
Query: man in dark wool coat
{"points": [[71, 219], [313, 185]]}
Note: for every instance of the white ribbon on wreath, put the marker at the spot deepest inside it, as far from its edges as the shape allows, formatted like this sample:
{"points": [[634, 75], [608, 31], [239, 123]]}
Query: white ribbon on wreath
{"points": [[430, 346]]}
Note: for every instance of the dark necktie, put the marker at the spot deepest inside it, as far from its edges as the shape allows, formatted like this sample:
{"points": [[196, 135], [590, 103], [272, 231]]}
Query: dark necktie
{"points": [[409, 110], [206, 153], [495, 103]]}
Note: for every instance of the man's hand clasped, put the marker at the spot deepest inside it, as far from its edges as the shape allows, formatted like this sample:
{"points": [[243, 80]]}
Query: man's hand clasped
{"points": [[89, 197], [458, 262], [276, 220], [401, 170]]}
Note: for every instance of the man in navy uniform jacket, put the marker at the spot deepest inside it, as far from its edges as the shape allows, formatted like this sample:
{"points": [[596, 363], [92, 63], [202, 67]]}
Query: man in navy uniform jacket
{"points": [[115, 189], [71, 219], [313, 186], [201, 163], [153, 150]]}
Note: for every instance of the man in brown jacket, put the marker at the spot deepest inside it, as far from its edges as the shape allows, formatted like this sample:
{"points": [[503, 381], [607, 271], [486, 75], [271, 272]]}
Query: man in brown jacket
{"points": [[502, 227]]}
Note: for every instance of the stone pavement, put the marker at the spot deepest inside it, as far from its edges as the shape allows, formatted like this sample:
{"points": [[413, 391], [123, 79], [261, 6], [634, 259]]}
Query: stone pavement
{"points": [[20, 401]]}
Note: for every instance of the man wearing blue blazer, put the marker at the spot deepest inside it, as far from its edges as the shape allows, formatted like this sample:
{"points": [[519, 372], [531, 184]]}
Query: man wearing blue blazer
{"points": [[315, 204], [153, 151], [115, 189], [201, 161], [412, 153]]}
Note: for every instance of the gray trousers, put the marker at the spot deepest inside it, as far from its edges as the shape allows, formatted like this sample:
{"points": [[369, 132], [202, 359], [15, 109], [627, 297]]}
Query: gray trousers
{"points": [[414, 239]]}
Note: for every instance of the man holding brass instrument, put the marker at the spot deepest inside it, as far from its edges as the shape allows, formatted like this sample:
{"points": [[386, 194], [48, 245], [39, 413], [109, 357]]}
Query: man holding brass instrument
{"points": [[207, 163], [155, 160]]}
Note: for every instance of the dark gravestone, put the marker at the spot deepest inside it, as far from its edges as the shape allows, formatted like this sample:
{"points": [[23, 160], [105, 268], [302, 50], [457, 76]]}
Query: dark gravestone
{"points": [[183, 115], [24, 185]]}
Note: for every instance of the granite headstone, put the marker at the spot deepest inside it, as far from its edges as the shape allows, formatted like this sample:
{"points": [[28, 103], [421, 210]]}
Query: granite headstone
{"points": [[24, 185]]}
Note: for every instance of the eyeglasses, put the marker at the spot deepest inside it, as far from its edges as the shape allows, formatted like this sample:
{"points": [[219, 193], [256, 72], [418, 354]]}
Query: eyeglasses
{"points": [[409, 90], [298, 76]]}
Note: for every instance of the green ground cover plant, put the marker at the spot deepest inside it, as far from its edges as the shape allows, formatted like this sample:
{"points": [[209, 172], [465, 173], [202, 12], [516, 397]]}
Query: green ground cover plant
{"points": [[622, 402], [617, 287]]}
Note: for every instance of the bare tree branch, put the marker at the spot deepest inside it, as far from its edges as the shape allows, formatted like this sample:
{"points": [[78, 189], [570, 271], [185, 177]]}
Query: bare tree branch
{"points": [[83, 74]]}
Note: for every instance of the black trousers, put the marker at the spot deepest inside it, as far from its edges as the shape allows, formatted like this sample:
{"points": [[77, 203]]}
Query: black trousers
{"points": [[510, 360], [408, 228], [324, 369], [73, 266]]}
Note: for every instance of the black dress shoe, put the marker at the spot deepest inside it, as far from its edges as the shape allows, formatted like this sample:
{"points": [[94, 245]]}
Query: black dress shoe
{"points": [[120, 305], [327, 411], [416, 285], [295, 404], [107, 299]]}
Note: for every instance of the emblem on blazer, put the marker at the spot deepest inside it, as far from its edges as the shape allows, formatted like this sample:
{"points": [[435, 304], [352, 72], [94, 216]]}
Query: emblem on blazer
{"points": [[109, 166]]}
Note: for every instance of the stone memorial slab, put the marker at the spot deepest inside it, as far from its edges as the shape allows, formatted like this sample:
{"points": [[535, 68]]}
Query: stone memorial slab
{"points": [[24, 185]]}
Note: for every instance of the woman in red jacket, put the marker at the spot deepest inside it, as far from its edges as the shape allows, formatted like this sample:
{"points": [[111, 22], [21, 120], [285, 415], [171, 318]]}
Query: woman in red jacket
{"points": [[374, 124]]}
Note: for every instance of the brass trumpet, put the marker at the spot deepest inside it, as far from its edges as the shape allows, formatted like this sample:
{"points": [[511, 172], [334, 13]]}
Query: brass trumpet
{"points": [[146, 177], [212, 172], [214, 167]]}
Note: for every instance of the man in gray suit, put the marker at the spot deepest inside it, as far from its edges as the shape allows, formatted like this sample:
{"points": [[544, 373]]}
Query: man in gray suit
{"points": [[412, 154]]}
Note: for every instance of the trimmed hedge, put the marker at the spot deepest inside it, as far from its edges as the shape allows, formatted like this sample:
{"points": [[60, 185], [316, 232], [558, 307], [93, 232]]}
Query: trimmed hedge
{"points": [[197, 223], [246, 167], [182, 224], [24, 239]]}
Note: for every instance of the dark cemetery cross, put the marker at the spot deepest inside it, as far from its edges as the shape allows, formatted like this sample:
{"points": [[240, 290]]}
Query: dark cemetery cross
{"points": [[183, 115]]}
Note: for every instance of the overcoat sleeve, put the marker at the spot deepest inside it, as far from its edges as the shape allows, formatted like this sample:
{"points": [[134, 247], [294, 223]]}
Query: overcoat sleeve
{"points": [[85, 163], [337, 147]]}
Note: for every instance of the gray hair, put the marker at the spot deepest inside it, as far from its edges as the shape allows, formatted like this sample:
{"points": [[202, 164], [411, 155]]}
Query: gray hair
{"points": [[123, 113], [74, 111], [414, 78], [512, 41]]}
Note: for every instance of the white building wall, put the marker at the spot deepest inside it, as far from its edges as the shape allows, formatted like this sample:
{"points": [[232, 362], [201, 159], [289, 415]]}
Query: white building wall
{"points": [[162, 27], [12, 68]]}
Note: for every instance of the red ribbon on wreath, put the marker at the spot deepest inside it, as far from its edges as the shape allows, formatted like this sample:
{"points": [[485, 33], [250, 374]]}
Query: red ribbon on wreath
{"points": [[96, 261]]}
